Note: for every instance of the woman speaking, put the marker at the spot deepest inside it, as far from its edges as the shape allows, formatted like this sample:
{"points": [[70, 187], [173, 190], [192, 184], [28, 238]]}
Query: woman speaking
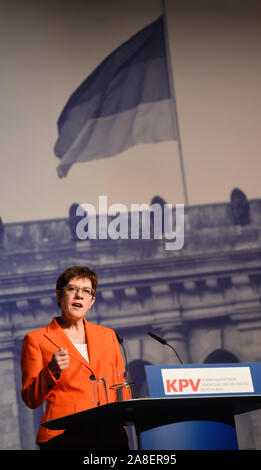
{"points": [[59, 362]]}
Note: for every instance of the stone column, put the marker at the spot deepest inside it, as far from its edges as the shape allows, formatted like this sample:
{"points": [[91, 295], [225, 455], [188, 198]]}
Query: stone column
{"points": [[26, 424], [9, 423]]}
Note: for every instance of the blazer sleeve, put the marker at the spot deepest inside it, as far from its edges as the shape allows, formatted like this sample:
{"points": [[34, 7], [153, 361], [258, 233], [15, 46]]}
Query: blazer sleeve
{"points": [[37, 379]]}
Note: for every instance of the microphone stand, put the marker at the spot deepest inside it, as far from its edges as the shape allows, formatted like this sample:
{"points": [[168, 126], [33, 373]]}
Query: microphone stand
{"points": [[163, 341], [120, 339]]}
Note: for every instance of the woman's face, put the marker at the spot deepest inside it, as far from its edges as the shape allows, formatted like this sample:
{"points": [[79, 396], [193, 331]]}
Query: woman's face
{"points": [[76, 299]]}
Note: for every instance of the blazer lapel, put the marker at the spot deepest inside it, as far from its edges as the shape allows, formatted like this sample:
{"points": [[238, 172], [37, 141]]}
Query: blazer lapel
{"points": [[55, 333]]}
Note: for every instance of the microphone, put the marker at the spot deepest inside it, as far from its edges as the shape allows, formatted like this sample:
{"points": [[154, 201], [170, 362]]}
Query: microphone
{"points": [[163, 341], [120, 339]]}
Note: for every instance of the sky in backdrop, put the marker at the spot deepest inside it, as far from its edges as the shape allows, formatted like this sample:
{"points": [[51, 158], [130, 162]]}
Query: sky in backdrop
{"points": [[47, 48]]}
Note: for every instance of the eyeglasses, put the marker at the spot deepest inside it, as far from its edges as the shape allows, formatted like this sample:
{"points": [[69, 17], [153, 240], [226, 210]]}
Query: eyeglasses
{"points": [[86, 291]]}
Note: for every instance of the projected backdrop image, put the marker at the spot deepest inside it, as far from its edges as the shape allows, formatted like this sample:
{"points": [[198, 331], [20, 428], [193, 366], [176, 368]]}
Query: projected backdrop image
{"points": [[108, 111]]}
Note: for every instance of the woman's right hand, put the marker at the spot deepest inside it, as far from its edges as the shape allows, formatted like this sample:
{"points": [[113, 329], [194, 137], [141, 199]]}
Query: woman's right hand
{"points": [[59, 362]]}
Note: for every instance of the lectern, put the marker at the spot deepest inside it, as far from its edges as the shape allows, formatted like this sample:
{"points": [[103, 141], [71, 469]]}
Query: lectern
{"points": [[190, 407], [217, 393]]}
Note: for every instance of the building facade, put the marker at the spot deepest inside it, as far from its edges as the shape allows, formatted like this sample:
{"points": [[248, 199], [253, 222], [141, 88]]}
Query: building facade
{"points": [[204, 300]]}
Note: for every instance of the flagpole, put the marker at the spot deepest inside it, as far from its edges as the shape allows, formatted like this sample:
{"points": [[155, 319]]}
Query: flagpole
{"points": [[174, 102]]}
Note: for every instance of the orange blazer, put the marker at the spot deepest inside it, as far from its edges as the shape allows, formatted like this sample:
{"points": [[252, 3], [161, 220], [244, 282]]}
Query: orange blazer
{"points": [[72, 392]]}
